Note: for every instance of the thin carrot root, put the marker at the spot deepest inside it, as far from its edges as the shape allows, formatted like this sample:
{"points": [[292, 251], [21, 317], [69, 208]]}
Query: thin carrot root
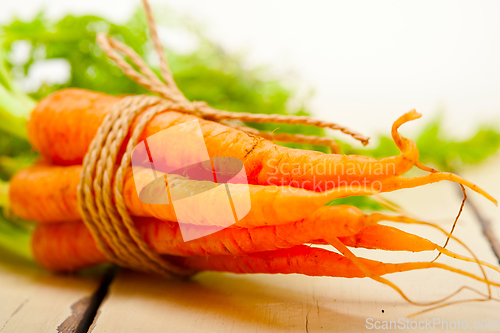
{"points": [[423, 244], [465, 258], [390, 205], [484, 299], [369, 273], [462, 205], [389, 238], [398, 183], [376, 217], [409, 242], [382, 237], [424, 167]]}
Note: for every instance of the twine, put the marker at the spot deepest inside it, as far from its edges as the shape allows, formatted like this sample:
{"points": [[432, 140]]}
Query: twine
{"points": [[100, 191]]}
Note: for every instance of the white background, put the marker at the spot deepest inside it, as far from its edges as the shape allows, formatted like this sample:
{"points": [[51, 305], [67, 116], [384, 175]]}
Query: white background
{"points": [[368, 61]]}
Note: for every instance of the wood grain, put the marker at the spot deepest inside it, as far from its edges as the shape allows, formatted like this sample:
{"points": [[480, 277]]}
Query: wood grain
{"points": [[34, 300]]}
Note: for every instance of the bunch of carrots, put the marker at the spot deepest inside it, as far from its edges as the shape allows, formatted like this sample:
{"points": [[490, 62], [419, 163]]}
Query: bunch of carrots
{"points": [[274, 237], [287, 211]]}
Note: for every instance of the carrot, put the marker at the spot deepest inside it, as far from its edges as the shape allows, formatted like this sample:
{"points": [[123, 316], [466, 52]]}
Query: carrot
{"points": [[63, 124], [305, 260], [165, 237], [318, 262], [298, 259], [65, 247], [48, 194], [70, 246], [382, 237]]}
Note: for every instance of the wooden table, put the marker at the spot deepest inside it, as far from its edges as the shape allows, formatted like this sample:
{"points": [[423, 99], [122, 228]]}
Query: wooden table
{"points": [[32, 300]]}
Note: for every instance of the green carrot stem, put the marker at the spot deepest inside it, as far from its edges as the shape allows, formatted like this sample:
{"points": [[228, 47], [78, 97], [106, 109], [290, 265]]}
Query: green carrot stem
{"points": [[4, 194], [15, 105], [10, 106], [15, 239]]}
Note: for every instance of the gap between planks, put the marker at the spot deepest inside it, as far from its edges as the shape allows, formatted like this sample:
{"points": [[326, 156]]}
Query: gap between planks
{"points": [[85, 311]]}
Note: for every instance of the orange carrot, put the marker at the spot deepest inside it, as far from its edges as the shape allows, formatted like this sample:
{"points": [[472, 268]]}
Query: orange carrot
{"points": [[63, 124], [75, 253], [48, 194], [72, 241], [382, 237], [305, 260], [69, 246]]}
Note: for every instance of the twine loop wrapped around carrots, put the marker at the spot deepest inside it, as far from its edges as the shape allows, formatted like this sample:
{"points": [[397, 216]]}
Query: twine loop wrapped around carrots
{"points": [[100, 189], [109, 221]]}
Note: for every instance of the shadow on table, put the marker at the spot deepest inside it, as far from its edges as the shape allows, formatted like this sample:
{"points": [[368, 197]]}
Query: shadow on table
{"points": [[21, 268], [235, 300]]}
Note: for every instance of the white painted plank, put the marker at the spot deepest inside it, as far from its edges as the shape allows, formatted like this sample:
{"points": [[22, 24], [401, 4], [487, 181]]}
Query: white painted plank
{"points": [[34, 300]]}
